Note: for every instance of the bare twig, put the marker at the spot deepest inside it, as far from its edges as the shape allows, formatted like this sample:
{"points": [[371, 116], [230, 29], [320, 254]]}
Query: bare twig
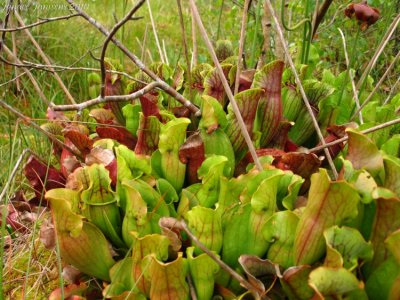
{"points": [[12, 80], [300, 86], [27, 120], [45, 58], [320, 15], [185, 47], [108, 39], [241, 45], [181, 225], [106, 99], [155, 33], [388, 99], [167, 88], [227, 89], [355, 92], [43, 21], [377, 85], [58, 68], [380, 49], [366, 131], [31, 77]]}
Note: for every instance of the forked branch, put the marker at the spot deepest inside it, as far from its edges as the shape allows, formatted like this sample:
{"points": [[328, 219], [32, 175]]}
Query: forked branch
{"points": [[108, 39], [163, 85]]}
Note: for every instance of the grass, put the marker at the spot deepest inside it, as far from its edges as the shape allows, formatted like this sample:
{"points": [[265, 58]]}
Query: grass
{"points": [[69, 42]]}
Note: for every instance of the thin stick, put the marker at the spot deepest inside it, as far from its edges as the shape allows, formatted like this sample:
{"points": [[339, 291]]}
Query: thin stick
{"points": [[166, 87], [314, 18], [182, 225], [109, 38], [379, 50], [366, 131], [45, 58], [228, 91], [44, 21], [14, 79], [355, 92], [27, 120], [153, 25], [299, 84], [241, 45], [388, 99], [185, 48], [377, 85], [320, 15], [106, 99], [31, 77]]}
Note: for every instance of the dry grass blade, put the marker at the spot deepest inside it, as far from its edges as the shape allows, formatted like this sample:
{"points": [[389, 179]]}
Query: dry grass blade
{"points": [[44, 21], [227, 89], [299, 84], [185, 47], [153, 25], [241, 45], [380, 49], [355, 92], [366, 101]]}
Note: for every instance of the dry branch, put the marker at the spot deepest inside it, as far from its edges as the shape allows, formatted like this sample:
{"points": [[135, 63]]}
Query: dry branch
{"points": [[366, 131], [366, 101], [163, 85], [354, 88], [44, 21], [106, 99], [227, 89], [299, 84], [379, 50], [181, 225], [108, 39], [28, 121]]}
